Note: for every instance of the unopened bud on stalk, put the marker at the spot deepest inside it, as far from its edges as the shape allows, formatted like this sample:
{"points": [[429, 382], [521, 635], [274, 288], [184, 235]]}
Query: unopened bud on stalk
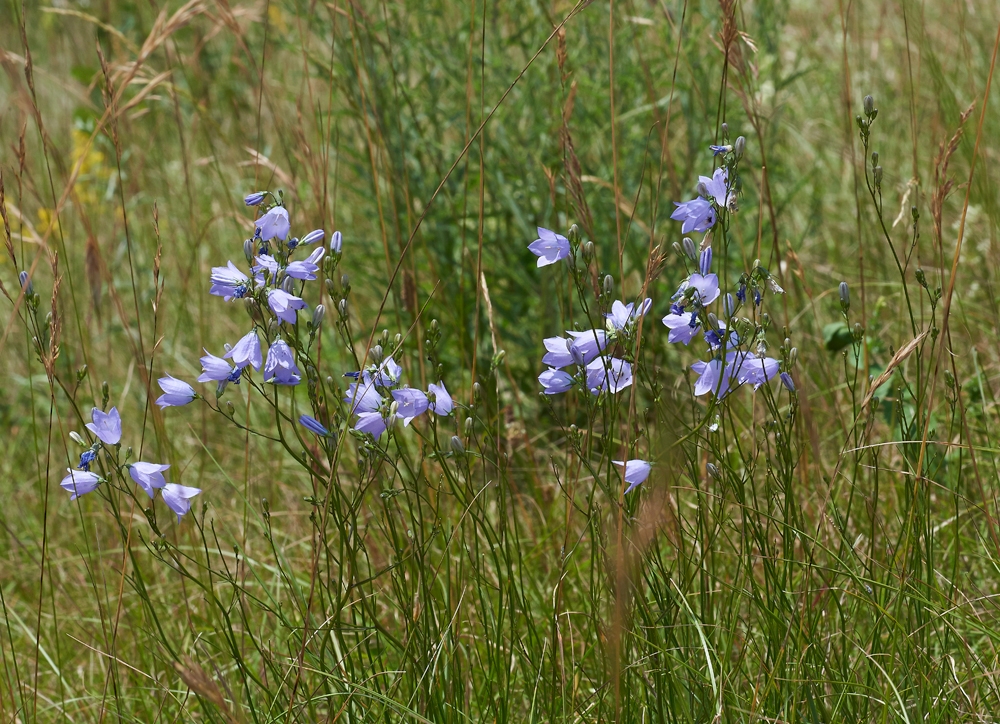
{"points": [[869, 104], [874, 158], [469, 425], [105, 392], [713, 471], [75, 437], [921, 278], [457, 446], [230, 409], [345, 283], [477, 392], [377, 354], [877, 173], [248, 250], [949, 378], [287, 284], [724, 128], [573, 235], [318, 313], [793, 356], [689, 248], [397, 340], [390, 424], [434, 325], [588, 251], [220, 388], [273, 326], [29, 288], [609, 285], [393, 409], [739, 146], [701, 189], [342, 308], [713, 321], [845, 297]]}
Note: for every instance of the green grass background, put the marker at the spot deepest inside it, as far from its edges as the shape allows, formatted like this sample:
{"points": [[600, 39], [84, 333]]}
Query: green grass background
{"points": [[831, 586]]}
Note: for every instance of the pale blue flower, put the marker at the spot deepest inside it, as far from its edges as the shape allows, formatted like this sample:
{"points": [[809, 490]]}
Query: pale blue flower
{"points": [[681, 327], [273, 223], [216, 369], [623, 315], [336, 242], [635, 473], [557, 352], [608, 373], [555, 381], [284, 305], [697, 215], [255, 198], [178, 498], [550, 247], [280, 365], [247, 351], [412, 404], [587, 345], [106, 426], [786, 380], [229, 282], [149, 476], [176, 393], [80, 482], [442, 403]]}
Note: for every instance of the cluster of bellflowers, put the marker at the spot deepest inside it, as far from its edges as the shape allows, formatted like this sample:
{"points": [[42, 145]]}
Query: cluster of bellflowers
{"points": [[272, 286], [106, 429], [378, 400], [271, 289], [735, 344], [592, 360]]}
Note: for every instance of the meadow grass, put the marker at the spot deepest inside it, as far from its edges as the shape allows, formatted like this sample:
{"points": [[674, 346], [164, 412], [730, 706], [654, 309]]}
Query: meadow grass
{"points": [[824, 556]]}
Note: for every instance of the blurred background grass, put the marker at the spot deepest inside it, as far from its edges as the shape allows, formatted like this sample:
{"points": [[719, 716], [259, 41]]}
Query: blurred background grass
{"points": [[357, 111]]}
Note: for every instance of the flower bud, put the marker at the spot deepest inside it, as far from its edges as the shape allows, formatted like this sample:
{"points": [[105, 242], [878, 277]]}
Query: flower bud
{"points": [[571, 262], [75, 437], [377, 354], [874, 158], [877, 173], [588, 251], [477, 392], [345, 283], [921, 278], [312, 237], [713, 471], [255, 198], [469, 424], [713, 321], [318, 313], [273, 326], [739, 146], [609, 285], [397, 341], [845, 297], [105, 392], [689, 248], [949, 378], [390, 423], [457, 446], [393, 409], [230, 409], [220, 388], [728, 305], [342, 308], [573, 235], [288, 284], [336, 242], [869, 104], [248, 250], [29, 288], [724, 128], [914, 212], [793, 356], [701, 189], [677, 248]]}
